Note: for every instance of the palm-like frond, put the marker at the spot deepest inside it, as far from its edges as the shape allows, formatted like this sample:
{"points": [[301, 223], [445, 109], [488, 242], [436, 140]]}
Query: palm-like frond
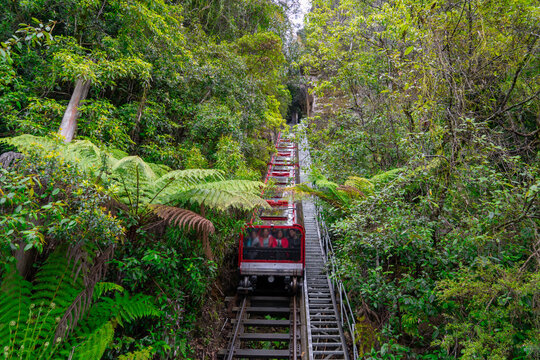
{"points": [[351, 191], [305, 189], [387, 176], [95, 344], [29, 142], [184, 218], [222, 195], [362, 184], [97, 329], [176, 181], [15, 295], [87, 155], [130, 165], [224, 199], [103, 287], [139, 184], [234, 185]]}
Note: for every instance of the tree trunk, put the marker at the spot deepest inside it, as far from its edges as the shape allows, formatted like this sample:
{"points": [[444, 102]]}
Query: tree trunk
{"points": [[69, 121], [206, 241], [25, 259], [136, 127]]}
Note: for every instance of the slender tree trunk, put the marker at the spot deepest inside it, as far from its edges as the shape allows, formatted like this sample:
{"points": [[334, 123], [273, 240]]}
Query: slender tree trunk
{"points": [[140, 111], [25, 259], [69, 121]]}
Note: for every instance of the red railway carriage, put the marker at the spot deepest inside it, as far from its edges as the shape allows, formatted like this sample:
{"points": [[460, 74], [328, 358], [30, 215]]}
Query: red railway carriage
{"points": [[272, 245]]}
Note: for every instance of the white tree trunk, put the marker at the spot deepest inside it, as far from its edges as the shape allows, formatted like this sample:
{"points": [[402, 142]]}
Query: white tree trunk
{"points": [[69, 121]]}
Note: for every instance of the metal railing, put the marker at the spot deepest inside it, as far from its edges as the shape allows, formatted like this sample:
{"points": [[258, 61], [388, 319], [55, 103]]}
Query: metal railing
{"points": [[346, 314]]}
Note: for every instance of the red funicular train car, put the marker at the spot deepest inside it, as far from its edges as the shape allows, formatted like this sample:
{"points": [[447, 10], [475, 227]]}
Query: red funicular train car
{"points": [[272, 245]]}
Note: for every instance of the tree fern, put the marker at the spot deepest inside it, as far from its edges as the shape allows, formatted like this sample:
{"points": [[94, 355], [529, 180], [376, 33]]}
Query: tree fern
{"points": [[141, 185], [305, 189], [338, 196], [87, 156]]}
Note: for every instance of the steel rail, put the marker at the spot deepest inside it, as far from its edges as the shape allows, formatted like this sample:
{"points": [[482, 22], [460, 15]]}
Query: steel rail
{"points": [[294, 340], [249, 314], [237, 328]]}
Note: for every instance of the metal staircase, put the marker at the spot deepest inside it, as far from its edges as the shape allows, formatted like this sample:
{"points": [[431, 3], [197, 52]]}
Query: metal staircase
{"points": [[324, 326]]}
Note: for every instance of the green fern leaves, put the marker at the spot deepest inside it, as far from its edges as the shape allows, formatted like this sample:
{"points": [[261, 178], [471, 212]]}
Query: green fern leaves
{"points": [[221, 195], [361, 184], [14, 307], [30, 313], [138, 184], [95, 343], [338, 196]]}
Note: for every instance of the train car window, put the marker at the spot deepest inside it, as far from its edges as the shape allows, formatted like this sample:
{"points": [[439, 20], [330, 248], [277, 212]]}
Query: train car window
{"points": [[272, 244]]}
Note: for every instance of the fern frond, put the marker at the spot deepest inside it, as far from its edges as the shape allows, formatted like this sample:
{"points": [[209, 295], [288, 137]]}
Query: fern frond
{"points": [[159, 169], [103, 287], [53, 292], [350, 192], [98, 326], [93, 347], [29, 142], [130, 165], [87, 156], [385, 177], [184, 218], [14, 307], [362, 184], [324, 183], [304, 189], [135, 178], [222, 200], [124, 308], [234, 185], [142, 354], [181, 179], [82, 301], [168, 185]]}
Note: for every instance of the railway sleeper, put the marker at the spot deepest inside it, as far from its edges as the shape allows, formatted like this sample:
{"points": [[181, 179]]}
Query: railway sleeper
{"points": [[265, 322]]}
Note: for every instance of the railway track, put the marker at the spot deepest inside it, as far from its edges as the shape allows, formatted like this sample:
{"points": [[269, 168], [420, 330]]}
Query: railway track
{"points": [[310, 324], [265, 327]]}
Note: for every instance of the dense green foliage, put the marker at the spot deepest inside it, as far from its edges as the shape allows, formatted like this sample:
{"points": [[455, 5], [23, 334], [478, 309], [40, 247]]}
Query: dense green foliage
{"points": [[425, 139], [160, 85], [176, 105], [437, 104]]}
